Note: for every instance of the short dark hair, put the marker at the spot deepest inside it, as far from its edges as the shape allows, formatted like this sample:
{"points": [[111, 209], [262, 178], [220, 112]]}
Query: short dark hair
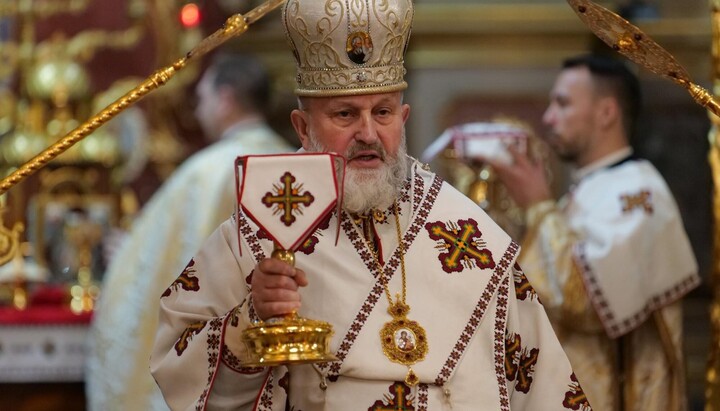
{"points": [[612, 76], [247, 77]]}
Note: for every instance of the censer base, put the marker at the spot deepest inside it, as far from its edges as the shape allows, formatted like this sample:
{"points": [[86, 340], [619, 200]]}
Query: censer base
{"points": [[287, 340]]}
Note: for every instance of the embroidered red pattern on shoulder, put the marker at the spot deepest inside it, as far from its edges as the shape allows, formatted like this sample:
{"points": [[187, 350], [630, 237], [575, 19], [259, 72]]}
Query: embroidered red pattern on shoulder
{"points": [[187, 280], [500, 322]]}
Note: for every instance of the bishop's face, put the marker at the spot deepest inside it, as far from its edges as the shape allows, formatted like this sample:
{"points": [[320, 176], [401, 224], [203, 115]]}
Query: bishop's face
{"points": [[369, 131]]}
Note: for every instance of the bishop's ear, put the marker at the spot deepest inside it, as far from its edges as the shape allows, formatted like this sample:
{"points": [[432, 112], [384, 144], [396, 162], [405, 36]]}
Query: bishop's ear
{"points": [[299, 120]]}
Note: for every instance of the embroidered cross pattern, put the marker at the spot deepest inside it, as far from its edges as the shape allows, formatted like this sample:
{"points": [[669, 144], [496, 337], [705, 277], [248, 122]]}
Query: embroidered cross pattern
{"points": [[528, 359], [287, 199], [640, 200], [186, 336], [460, 245], [523, 288], [575, 399], [186, 280], [512, 356], [519, 362], [398, 400]]}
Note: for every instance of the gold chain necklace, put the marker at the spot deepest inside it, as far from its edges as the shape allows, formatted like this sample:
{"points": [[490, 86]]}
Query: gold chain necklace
{"points": [[403, 340]]}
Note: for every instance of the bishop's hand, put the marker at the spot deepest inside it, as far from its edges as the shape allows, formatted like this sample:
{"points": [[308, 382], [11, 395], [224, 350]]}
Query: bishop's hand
{"points": [[275, 287]]}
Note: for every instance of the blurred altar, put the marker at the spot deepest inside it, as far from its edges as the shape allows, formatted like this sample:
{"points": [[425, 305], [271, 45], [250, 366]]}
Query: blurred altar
{"points": [[470, 61]]}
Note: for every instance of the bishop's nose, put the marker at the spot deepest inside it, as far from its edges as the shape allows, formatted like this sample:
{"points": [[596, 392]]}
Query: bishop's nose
{"points": [[367, 130]]}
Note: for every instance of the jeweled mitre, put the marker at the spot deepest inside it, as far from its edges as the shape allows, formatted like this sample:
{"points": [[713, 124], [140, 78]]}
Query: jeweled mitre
{"points": [[348, 47]]}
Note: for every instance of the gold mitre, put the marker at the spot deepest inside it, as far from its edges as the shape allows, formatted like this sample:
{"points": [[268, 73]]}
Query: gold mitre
{"points": [[348, 47]]}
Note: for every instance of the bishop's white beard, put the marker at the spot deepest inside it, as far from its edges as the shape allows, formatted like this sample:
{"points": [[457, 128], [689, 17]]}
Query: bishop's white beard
{"points": [[367, 189]]}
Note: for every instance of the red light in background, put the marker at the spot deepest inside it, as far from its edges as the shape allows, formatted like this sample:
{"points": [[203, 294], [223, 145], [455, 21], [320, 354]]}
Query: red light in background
{"points": [[190, 15]]}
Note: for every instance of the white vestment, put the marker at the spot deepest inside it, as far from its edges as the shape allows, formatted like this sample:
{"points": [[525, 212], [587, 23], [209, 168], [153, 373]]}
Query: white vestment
{"points": [[490, 344], [610, 263], [178, 218]]}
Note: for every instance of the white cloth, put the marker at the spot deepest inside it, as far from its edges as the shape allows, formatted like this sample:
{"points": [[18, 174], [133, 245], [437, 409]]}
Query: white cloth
{"points": [[177, 219], [610, 263], [491, 346], [289, 212]]}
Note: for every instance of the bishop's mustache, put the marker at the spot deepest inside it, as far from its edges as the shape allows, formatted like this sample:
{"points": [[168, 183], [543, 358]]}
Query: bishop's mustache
{"points": [[359, 147]]}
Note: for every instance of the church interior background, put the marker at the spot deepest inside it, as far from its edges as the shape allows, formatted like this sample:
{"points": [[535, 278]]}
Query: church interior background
{"points": [[469, 61]]}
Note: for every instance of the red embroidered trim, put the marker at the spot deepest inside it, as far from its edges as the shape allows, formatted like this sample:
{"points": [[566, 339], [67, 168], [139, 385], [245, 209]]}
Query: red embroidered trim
{"points": [[495, 283], [422, 397], [612, 326], [500, 328], [258, 255], [265, 401], [423, 210], [214, 336]]}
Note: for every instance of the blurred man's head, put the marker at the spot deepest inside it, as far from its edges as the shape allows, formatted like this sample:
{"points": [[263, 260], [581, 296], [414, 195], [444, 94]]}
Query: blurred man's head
{"points": [[593, 108], [235, 87], [349, 106]]}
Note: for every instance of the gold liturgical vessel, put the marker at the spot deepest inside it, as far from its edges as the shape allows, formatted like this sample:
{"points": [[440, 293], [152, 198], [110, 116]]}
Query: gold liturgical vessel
{"points": [[289, 195], [287, 339]]}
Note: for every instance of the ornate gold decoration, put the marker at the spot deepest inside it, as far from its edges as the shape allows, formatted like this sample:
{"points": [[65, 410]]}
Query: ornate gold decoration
{"points": [[476, 178], [630, 41], [42, 8], [333, 43], [234, 26], [10, 249], [84, 235], [54, 86], [9, 237], [289, 339], [712, 377], [403, 341]]}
